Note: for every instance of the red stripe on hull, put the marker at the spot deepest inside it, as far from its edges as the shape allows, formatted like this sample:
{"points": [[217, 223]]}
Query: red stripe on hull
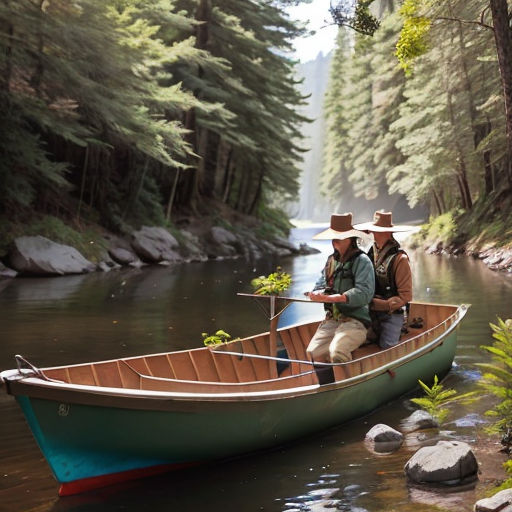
{"points": [[96, 482]]}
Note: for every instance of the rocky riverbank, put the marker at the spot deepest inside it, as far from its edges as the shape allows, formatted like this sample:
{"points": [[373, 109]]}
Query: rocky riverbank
{"points": [[475, 234], [496, 258], [38, 255]]}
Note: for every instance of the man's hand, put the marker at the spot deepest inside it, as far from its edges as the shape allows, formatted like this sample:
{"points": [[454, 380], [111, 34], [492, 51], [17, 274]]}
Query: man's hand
{"points": [[320, 296]]}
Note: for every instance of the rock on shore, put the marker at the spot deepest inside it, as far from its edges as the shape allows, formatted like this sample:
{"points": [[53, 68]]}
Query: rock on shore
{"points": [[36, 255], [39, 256], [496, 258], [447, 463]]}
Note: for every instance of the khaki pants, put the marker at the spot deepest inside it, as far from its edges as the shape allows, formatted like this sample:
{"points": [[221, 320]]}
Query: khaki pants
{"points": [[334, 340]]}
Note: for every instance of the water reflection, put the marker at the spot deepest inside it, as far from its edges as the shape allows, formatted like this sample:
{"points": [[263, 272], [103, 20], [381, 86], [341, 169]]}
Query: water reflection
{"points": [[99, 316]]}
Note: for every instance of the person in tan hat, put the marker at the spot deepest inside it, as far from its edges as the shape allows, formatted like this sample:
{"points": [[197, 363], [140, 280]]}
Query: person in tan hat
{"points": [[346, 287], [393, 279]]}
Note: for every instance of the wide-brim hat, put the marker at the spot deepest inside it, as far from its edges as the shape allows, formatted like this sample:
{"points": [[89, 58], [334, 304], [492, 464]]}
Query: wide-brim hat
{"points": [[383, 223], [340, 228]]}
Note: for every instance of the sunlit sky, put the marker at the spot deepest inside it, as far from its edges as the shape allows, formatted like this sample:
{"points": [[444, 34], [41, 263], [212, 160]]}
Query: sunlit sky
{"points": [[317, 15]]}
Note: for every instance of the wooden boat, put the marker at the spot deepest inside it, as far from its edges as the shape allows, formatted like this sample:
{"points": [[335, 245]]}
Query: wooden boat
{"points": [[104, 422]]}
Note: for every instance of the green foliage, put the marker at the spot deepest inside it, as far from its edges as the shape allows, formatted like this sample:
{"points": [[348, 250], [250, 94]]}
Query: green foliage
{"points": [[355, 15], [436, 397], [413, 37], [104, 102], [442, 228], [497, 379], [88, 240], [273, 284], [215, 339], [274, 222], [434, 136], [507, 484]]}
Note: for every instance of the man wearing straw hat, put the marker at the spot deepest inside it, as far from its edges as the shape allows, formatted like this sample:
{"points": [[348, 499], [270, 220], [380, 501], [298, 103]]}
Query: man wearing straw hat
{"points": [[393, 278], [346, 287]]}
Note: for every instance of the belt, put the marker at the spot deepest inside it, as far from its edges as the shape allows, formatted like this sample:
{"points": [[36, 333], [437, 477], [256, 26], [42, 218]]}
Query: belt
{"points": [[344, 318], [341, 317]]}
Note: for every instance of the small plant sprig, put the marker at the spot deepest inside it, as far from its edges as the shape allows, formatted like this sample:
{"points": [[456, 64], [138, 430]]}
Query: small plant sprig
{"points": [[436, 397], [273, 284], [215, 339]]}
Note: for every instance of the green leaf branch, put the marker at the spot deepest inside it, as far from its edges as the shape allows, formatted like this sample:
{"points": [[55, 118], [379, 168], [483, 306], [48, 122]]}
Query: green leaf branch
{"points": [[273, 284], [215, 339], [437, 398]]}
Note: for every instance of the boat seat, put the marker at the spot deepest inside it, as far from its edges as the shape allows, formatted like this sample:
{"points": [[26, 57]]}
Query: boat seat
{"points": [[150, 383]]}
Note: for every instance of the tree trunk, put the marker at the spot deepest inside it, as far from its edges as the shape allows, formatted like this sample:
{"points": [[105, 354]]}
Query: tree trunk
{"points": [[242, 191], [464, 181], [257, 195], [488, 167], [229, 178], [462, 178], [223, 156], [172, 196], [438, 202], [82, 183], [37, 77], [503, 39], [194, 179], [6, 78]]}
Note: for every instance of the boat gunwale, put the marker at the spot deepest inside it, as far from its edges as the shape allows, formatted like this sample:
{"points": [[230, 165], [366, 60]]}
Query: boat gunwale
{"points": [[288, 327], [78, 389]]}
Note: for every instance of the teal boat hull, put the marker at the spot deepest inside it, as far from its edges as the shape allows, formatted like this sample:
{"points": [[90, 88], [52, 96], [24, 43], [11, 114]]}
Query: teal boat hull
{"points": [[90, 439]]}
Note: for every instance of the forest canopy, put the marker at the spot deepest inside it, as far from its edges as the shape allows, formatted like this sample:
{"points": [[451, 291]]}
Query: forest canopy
{"points": [[125, 111], [421, 108]]}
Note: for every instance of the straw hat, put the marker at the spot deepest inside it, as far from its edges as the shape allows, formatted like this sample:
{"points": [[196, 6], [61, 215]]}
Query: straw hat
{"points": [[382, 222], [341, 228]]}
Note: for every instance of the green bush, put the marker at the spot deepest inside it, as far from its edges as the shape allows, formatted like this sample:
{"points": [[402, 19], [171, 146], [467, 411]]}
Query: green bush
{"points": [[215, 339], [435, 399], [274, 223], [272, 284], [497, 380]]}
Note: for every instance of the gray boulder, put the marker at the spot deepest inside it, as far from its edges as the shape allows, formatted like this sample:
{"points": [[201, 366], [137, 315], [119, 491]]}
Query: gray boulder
{"points": [[419, 420], [122, 256], [384, 439], [221, 243], [154, 244], [223, 236], [448, 463], [306, 249], [193, 248], [252, 251], [7, 272], [381, 433], [282, 243], [501, 501], [40, 256]]}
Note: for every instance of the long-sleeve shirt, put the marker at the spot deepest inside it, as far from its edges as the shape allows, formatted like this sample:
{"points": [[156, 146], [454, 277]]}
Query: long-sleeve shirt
{"points": [[356, 280], [403, 280]]}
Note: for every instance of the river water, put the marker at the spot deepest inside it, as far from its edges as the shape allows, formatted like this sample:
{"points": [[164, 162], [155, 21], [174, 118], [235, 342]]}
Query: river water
{"points": [[53, 321]]}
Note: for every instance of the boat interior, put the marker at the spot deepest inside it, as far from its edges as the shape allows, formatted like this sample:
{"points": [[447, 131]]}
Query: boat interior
{"points": [[250, 364]]}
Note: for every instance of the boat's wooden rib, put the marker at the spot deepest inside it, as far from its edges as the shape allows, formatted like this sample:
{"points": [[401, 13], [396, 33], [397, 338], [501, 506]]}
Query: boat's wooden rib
{"points": [[250, 361]]}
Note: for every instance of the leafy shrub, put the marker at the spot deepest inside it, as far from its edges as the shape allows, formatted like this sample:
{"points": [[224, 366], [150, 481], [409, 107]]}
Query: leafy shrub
{"points": [[497, 380], [215, 339], [274, 223], [435, 400], [272, 284]]}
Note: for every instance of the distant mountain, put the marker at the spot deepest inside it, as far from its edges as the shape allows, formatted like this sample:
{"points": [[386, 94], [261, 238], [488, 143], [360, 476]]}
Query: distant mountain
{"points": [[315, 75]]}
